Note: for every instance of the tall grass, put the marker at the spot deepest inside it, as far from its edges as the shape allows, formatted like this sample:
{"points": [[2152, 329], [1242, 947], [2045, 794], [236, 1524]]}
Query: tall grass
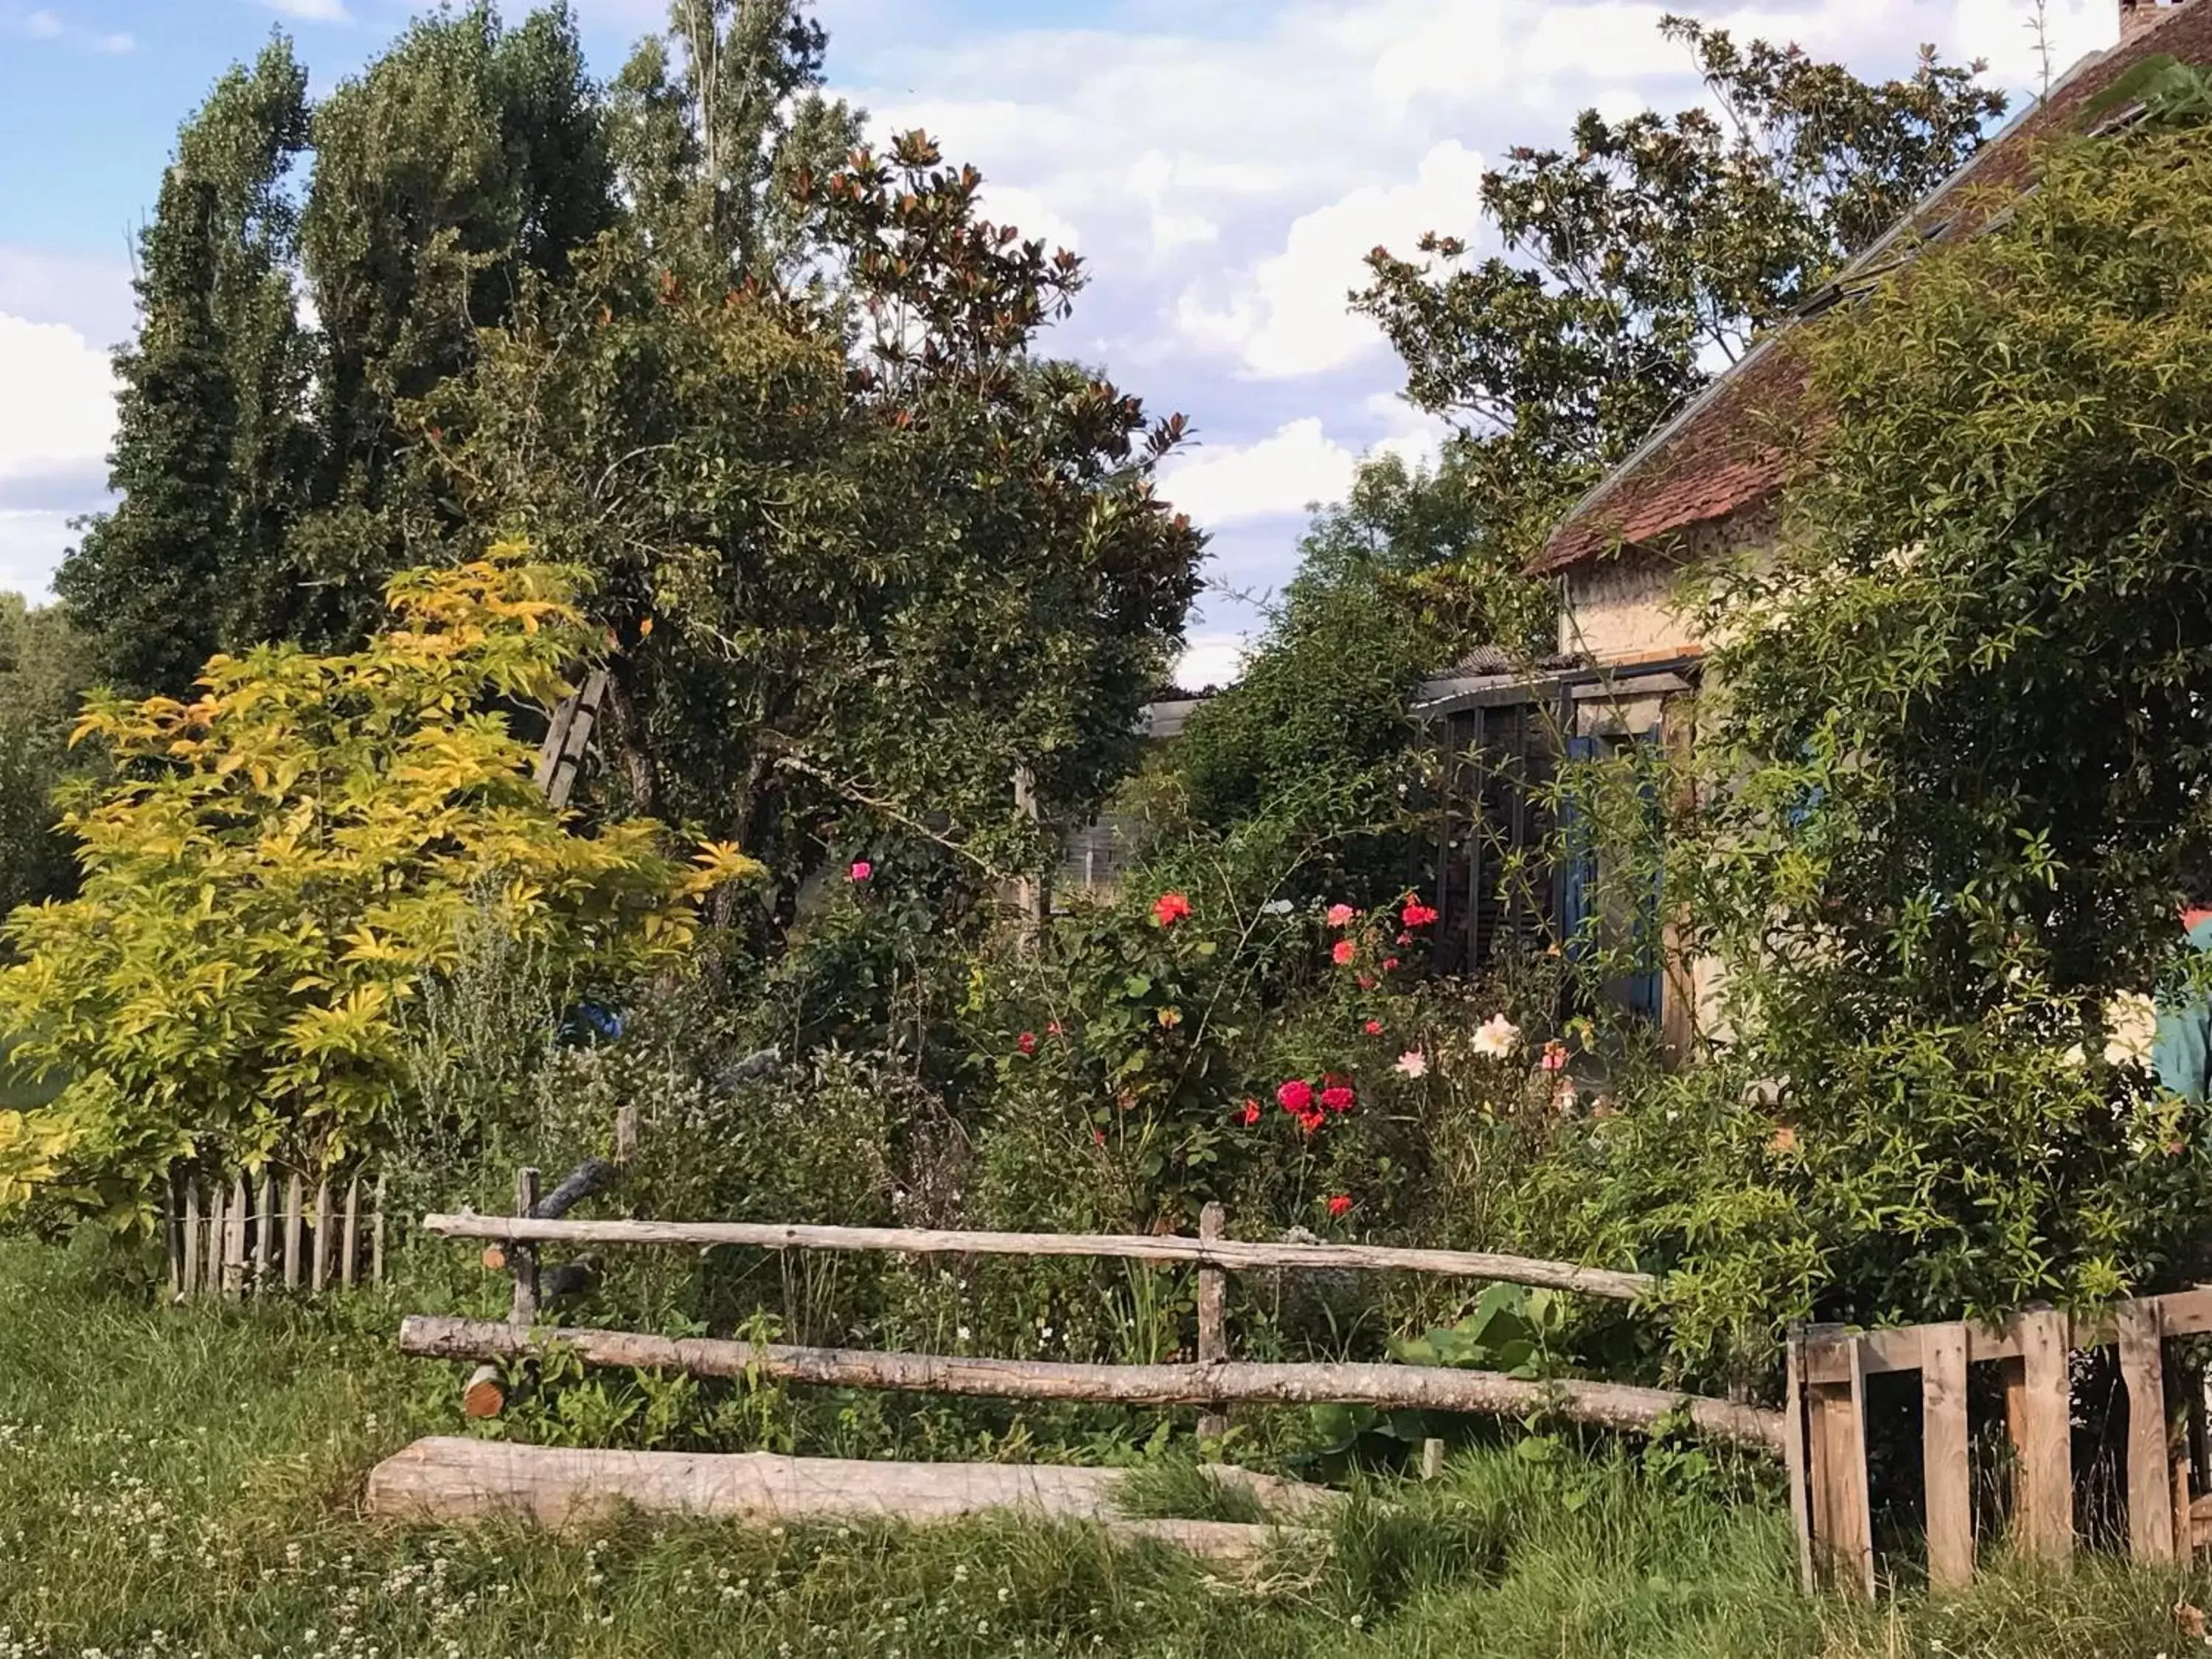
{"points": [[186, 1481]]}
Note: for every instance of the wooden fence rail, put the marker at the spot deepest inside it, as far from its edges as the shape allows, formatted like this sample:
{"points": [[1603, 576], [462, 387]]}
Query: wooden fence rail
{"points": [[1213, 1383], [249, 1235], [1230, 1254]]}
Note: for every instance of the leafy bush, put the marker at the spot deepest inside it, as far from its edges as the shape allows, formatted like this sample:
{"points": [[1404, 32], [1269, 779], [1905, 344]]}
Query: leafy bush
{"points": [[280, 862]]}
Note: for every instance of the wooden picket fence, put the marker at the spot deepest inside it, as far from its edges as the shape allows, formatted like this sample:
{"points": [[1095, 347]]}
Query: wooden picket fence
{"points": [[246, 1235], [1825, 1444]]}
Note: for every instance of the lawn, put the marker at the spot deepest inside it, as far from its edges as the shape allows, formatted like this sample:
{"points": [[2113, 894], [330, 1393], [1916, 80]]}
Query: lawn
{"points": [[176, 1482]]}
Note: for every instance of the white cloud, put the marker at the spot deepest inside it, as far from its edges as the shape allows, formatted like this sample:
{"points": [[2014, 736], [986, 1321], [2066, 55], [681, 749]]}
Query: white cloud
{"points": [[56, 415], [1211, 659], [1292, 313], [118, 43], [312, 11], [1296, 467], [43, 25], [1025, 210]]}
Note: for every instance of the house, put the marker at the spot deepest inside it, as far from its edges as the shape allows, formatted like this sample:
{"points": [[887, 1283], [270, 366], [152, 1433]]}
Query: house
{"points": [[1627, 666], [1093, 856]]}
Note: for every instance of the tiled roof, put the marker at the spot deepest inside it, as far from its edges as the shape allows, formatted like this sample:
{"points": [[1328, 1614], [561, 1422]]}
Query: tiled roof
{"points": [[1720, 455]]}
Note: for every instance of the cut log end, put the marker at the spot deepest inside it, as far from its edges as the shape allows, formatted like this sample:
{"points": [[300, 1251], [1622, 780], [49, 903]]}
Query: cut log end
{"points": [[484, 1394], [495, 1258]]}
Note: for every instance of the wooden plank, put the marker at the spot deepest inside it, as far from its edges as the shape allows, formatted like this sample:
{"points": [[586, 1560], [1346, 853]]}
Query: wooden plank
{"points": [[192, 1241], [523, 1257], [2150, 1483], [376, 1235], [1947, 1474], [2046, 1449], [1794, 1455], [234, 1243], [265, 1235], [350, 1245], [320, 1274], [1212, 1335], [218, 1239], [1433, 1459], [1410, 1387], [1855, 1538], [625, 1134], [292, 1263], [1233, 1255], [172, 1240]]}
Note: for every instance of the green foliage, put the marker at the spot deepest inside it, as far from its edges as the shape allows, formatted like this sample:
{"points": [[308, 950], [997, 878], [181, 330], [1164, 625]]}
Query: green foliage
{"points": [[45, 668], [1319, 716], [1651, 244], [212, 457], [1953, 791], [279, 863], [858, 595]]}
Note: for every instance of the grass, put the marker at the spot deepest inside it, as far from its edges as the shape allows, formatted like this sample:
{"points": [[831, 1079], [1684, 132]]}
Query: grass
{"points": [[178, 1482]]}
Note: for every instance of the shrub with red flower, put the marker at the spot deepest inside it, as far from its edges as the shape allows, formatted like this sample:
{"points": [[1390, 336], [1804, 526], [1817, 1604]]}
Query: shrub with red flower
{"points": [[1341, 915], [861, 869], [1339, 1097], [1416, 913], [1339, 1204], [1296, 1096], [1170, 908], [1026, 1042], [1342, 952], [1310, 1121], [1250, 1114], [1373, 1028]]}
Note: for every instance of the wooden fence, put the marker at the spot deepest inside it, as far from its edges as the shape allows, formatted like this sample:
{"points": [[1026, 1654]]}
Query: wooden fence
{"points": [[1824, 1447], [247, 1235], [1213, 1382]]}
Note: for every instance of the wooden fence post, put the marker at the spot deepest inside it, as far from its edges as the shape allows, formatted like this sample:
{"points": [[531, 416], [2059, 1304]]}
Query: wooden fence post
{"points": [[1795, 1425], [625, 1134], [2047, 1436], [173, 1243], [321, 1273], [192, 1242], [1843, 1513], [1213, 1332], [2150, 1483], [264, 1236], [376, 1235], [522, 1258], [1946, 1474], [351, 1238], [292, 1263]]}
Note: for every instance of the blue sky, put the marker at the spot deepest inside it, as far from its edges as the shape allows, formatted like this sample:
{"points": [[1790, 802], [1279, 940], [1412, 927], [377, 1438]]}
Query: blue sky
{"points": [[1222, 165]]}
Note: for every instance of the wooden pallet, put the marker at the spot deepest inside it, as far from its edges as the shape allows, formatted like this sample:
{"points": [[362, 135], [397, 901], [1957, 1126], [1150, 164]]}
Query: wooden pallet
{"points": [[1825, 1443]]}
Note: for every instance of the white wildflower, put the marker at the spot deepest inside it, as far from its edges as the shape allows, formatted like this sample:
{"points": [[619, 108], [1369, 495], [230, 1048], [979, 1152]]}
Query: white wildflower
{"points": [[1497, 1038], [1414, 1063]]}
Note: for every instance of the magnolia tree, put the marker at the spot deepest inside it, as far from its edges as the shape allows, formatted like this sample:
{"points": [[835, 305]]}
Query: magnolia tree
{"points": [[282, 860]]}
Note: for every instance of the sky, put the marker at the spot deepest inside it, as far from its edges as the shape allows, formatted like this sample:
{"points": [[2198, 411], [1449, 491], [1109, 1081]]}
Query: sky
{"points": [[1222, 166]]}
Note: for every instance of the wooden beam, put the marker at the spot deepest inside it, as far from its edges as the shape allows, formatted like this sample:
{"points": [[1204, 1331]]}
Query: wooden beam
{"points": [[2150, 1481], [1793, 1456], [2046, 1514], [1234, 1254], [1212, 1321], [1405, 1387], [1947, 1473]]}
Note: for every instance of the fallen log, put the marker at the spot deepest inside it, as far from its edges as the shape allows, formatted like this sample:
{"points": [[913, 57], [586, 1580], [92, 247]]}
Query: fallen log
{"points": [[1396, 1387], [1235, 1254], [445, 1480]]}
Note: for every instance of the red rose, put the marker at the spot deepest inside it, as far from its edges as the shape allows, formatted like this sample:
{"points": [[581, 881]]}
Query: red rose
{"points": [[1296, 1096], [1342, 952], [1310, 1121], [1338, 1098], [1416, 914], [1250, 1114], [1170, 908], [1373, 1028], [1340, 1205], [1389, 964], [1026, 1042]]}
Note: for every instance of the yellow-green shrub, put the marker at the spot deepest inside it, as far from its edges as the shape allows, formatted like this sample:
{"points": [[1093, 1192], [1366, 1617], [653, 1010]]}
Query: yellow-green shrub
{"points": [[278, 864]]}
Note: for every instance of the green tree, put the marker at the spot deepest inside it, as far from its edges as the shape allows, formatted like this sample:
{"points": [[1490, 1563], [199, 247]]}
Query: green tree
{"points": [[279, 864], [1653, 248], [865, 588], [212, 455], [1956, 781], [466, 156], [46, 668]]}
